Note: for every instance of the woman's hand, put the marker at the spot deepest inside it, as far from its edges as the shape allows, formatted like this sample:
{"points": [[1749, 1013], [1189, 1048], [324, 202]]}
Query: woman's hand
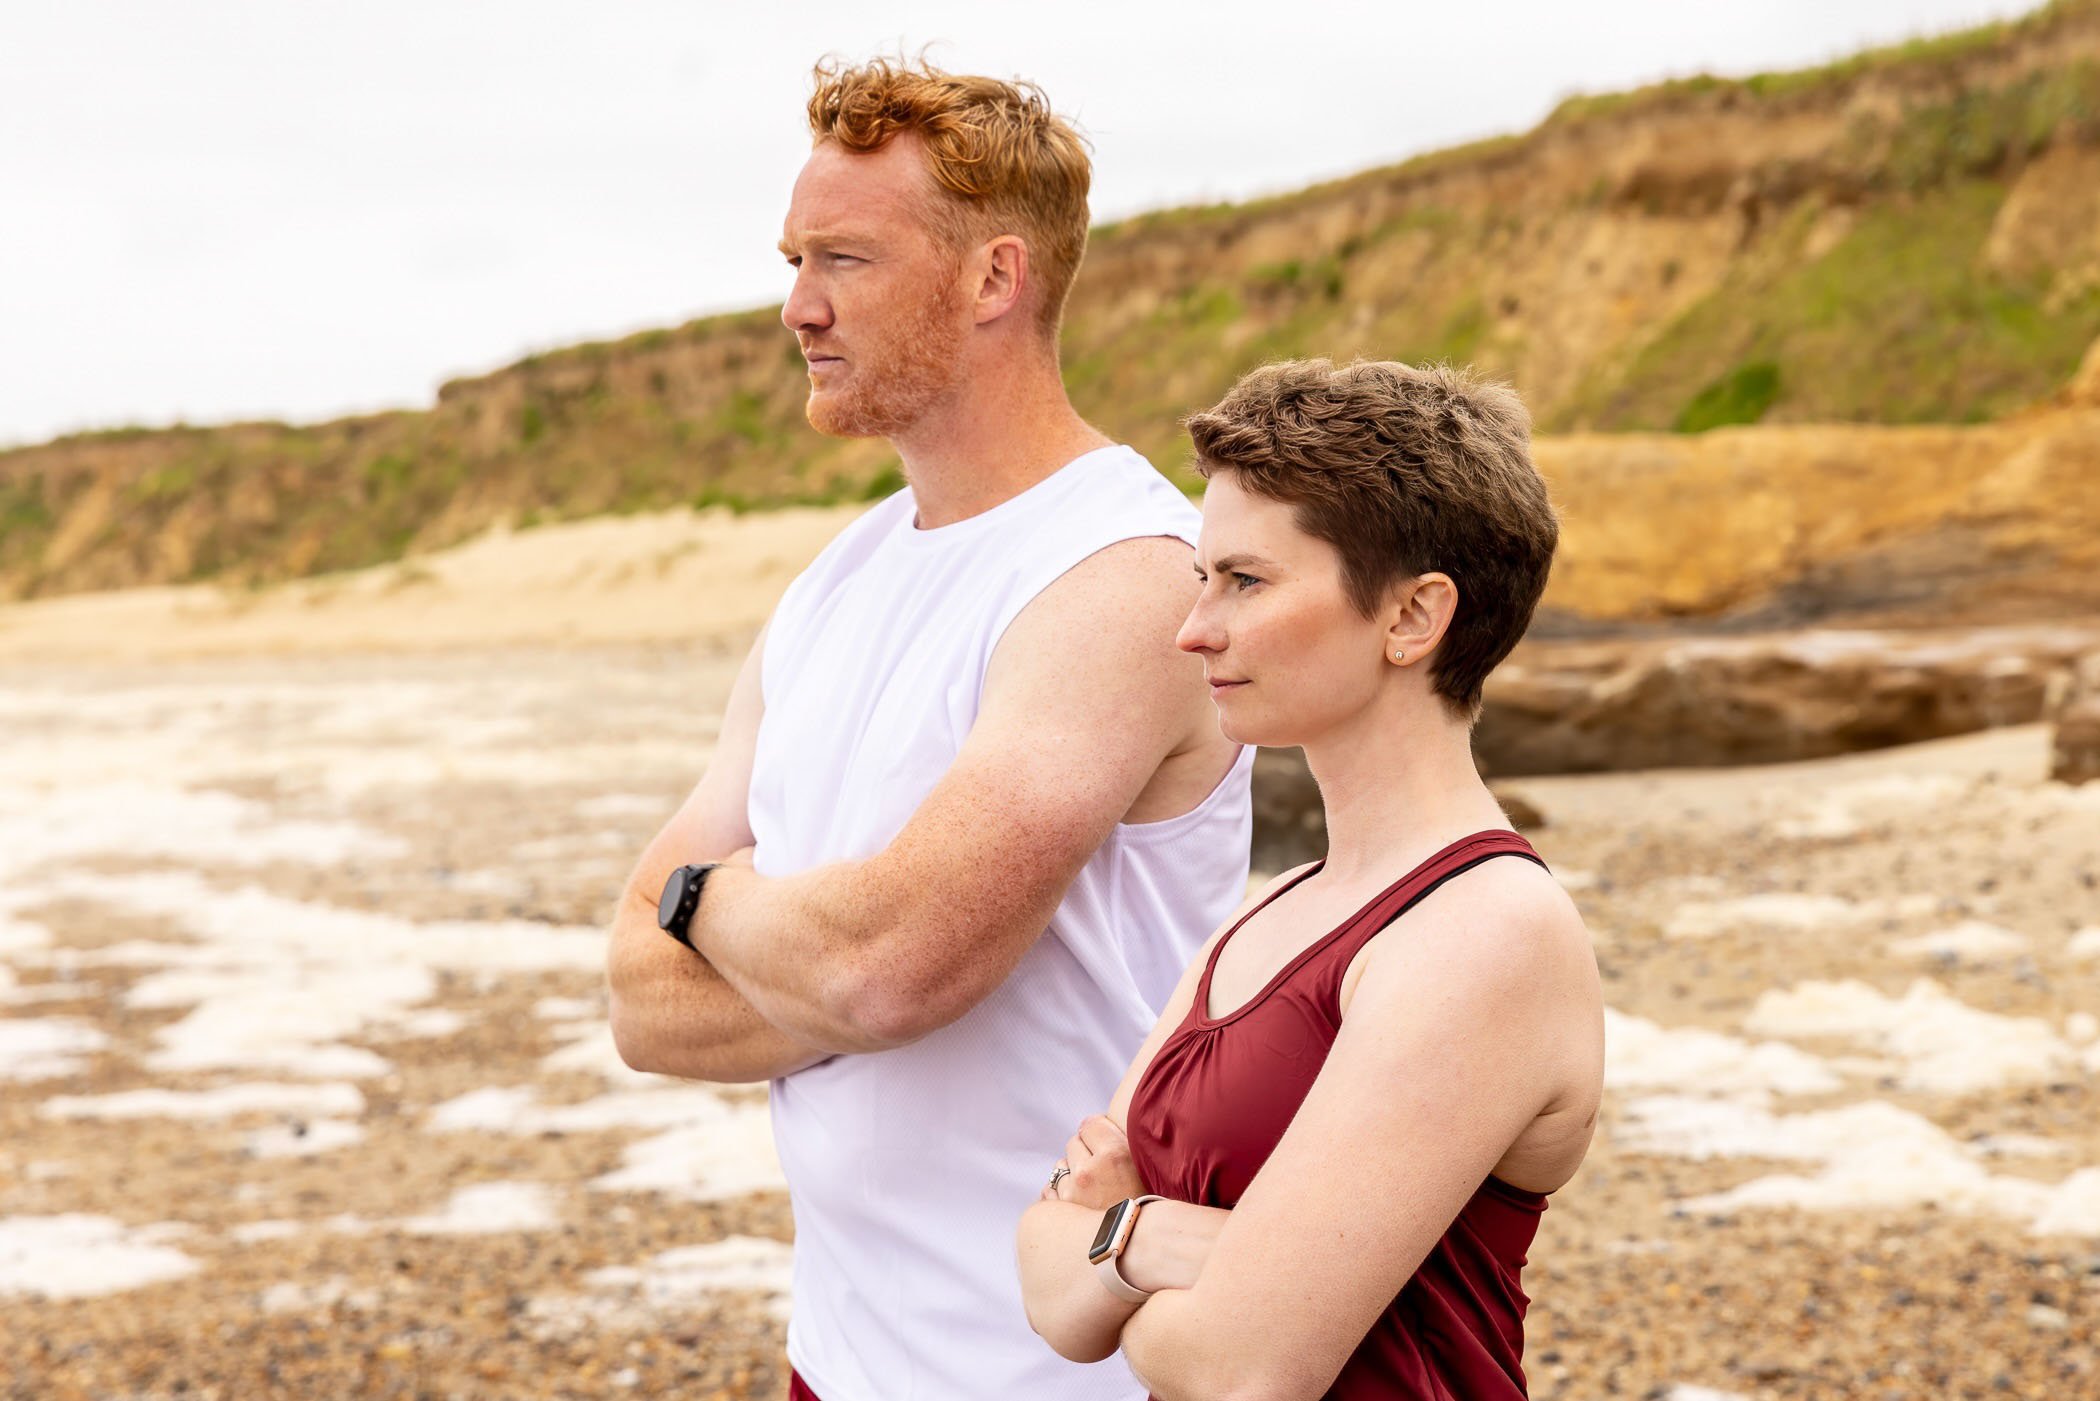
{"points": [[1101, 1172]]}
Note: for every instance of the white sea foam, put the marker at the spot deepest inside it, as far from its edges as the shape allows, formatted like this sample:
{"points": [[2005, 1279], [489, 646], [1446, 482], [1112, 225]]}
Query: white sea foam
{"points": [[712, 1161], [279, 984], [46, 1048], [1848, 808], [261, 1232], [490, 1208], [1871, 1155], [516, 1109], [592, 1051], [2073, 1208], [1784, 911], [1947, 1046], [1638, 1054], [220, 1102], [289, 1296], [67, 821], [689, 1274], [1971, 941], [78, 1257], [569, 1009]]}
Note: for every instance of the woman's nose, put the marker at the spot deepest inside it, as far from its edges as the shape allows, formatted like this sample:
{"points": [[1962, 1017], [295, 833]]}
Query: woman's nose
{"points": [[1198, 632]]}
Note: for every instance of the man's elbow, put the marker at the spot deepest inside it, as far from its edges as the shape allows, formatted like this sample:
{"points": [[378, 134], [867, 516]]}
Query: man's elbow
{"points": [[630, 1033], [878, 1007]]}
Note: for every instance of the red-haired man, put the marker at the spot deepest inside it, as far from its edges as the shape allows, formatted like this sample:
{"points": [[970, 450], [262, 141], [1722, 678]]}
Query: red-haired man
{"points": [[972, 809]]}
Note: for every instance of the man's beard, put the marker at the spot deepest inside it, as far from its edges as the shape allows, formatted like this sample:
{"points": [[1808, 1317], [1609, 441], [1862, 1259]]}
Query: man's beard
{"points": [[885, 398]]}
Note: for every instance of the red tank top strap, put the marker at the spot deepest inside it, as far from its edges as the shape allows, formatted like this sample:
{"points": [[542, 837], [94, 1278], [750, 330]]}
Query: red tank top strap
{"points": [[1338, 949]]}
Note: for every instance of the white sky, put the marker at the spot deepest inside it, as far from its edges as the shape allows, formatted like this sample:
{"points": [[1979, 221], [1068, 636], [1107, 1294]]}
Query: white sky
{"points": [[217, 209]]}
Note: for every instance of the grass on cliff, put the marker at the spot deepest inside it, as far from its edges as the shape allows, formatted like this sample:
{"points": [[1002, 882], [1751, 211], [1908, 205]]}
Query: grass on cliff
{"points": [[1898, 323]]}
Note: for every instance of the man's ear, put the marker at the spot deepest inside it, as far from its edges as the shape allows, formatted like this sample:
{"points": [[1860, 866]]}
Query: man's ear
{"points": [[1420, 613], [1001, 271]]}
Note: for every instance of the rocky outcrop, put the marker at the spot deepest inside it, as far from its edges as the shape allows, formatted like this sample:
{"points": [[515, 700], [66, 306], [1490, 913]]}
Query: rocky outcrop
{"points": [[1659, 703], [2074, 751]]}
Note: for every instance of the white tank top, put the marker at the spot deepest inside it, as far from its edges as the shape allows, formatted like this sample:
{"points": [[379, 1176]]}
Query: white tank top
{"points": [[909, 1169]]}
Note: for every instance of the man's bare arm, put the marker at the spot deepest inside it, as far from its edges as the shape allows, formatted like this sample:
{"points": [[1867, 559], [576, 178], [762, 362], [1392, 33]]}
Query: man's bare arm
{"points": [[671, 1011], [1085, 698]]}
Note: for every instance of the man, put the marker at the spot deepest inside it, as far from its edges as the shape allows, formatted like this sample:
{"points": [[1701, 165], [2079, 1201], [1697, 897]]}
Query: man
{"points": [[974, 808]]}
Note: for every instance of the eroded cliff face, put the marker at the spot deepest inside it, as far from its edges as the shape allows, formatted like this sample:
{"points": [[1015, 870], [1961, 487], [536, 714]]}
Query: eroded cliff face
{"points": [[1909, 238]]}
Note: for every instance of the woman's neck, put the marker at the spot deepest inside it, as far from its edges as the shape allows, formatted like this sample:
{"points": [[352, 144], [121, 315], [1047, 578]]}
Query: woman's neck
{"points": [[1397, 787]]}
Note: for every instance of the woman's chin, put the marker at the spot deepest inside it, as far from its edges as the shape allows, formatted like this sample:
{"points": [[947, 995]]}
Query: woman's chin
{"points": [[1247, 729]]}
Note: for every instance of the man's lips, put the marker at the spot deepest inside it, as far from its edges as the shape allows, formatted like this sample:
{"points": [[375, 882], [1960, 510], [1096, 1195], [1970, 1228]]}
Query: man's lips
{"points": [[1218, 684]]}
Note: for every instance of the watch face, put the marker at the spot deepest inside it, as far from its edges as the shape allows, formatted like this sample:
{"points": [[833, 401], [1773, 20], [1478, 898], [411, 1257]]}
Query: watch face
{"points": [[1110, 1220], [673, 896]]}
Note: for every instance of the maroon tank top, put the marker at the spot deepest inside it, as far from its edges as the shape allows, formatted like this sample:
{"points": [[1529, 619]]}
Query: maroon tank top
{"points": [[1217, 1097]]}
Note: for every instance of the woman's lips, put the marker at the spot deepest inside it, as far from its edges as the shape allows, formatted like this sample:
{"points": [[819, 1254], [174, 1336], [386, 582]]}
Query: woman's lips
{"points": [[1218, 687]]}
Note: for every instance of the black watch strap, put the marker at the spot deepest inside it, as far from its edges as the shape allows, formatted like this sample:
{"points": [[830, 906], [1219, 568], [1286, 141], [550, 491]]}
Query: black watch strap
{"points": [[680, 898]]}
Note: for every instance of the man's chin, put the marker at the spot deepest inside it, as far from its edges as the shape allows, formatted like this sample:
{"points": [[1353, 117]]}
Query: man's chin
{"points": [[834, 419]]}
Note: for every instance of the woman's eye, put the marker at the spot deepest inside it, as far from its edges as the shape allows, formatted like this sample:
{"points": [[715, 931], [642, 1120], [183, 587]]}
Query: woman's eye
{"points": [[1244, 581]]}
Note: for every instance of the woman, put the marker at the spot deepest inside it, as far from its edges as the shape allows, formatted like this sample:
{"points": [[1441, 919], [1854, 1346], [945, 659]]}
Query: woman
{"points": [[1361, 1092]]}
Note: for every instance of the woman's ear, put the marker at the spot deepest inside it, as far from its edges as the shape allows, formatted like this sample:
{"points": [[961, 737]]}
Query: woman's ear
{"points": [[1422, 610]]}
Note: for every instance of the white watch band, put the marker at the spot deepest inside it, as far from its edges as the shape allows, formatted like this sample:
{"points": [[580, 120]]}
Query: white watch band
{"points": [[1112, 1280], [1105, 1268]]}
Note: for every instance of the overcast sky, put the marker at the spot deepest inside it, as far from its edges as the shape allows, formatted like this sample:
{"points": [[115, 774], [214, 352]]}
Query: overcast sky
{"points": [[218, 209]]}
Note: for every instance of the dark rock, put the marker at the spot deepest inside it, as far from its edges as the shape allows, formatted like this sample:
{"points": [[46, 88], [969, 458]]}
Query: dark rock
{"points": [[2074, 752], [1588, 707]]}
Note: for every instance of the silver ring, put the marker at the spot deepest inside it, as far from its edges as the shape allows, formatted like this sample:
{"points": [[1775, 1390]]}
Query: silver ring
{"points": [[1059, 1174]]}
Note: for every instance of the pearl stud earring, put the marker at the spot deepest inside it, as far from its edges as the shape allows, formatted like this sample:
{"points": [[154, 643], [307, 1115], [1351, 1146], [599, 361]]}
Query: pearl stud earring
{"points": [[1399, 656]]}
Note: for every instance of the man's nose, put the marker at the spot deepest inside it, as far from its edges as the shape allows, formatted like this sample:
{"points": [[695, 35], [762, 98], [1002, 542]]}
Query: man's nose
{"points": [[805, 309]]}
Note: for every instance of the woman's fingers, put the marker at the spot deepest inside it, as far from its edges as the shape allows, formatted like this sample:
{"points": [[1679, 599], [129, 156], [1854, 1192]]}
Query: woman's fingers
{"points": [[1100, 1133]]}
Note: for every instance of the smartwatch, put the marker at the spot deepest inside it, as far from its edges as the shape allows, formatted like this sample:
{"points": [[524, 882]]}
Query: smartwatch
{"points": [[1109, 1243], [674, 908]]}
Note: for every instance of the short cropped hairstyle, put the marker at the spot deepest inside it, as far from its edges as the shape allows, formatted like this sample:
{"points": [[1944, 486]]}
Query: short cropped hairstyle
{"points": [[1403, 471], [1002, 162]]}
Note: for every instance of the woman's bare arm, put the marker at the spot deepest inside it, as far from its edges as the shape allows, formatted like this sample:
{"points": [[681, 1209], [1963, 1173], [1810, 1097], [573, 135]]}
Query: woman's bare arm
{"points": [[1457, 1037], [1065, 1300]]}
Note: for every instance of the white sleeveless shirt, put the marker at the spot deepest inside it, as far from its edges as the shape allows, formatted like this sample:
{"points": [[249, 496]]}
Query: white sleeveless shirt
{"points": [[909, 1169]]}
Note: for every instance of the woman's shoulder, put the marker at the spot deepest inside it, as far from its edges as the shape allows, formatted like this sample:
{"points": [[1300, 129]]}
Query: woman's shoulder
{"points": [[1506, 921]]}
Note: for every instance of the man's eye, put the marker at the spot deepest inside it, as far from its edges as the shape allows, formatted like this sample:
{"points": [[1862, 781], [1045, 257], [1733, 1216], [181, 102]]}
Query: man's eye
{"points": [[1245, 581], [794, 262]]}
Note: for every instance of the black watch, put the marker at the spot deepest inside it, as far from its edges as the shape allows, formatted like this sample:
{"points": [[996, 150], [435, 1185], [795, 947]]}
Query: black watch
{"points": [[674, 908]]}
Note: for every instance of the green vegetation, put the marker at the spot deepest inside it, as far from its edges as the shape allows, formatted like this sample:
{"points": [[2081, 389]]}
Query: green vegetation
{"points": [[1922, 53], [1896, 324], [1741, 396]]}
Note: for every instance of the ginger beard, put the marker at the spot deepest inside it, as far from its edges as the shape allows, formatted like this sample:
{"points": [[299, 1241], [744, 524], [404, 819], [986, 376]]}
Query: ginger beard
{"points": [[896, 374]]}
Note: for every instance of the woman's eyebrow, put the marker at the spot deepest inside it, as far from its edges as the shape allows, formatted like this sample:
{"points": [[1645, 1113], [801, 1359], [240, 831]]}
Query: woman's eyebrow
{"points": [[1232, 562]]}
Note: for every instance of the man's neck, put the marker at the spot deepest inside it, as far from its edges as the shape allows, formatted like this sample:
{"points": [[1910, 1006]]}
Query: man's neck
{"points": [[990, 440]]}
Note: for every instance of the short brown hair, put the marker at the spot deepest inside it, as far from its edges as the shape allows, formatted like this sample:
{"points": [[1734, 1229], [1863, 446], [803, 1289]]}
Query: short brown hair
{"points": [[1403, 471], [1002, 161]]}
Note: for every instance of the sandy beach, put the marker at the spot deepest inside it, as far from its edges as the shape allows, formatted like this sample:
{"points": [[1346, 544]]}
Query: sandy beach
{"points": [[309, 1089]]}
